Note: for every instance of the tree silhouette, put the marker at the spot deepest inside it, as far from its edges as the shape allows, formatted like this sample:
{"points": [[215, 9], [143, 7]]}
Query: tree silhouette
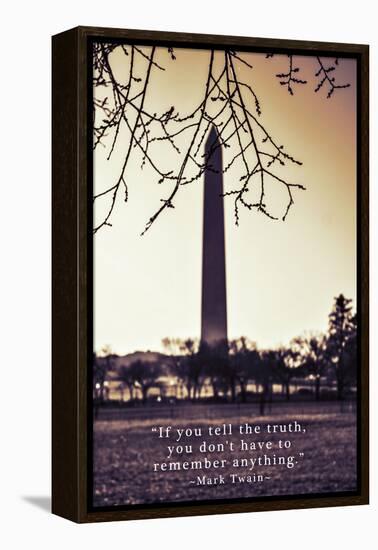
{"points": [[342, 332], [350, 356], [102, 365], [127, 378], [219, 368], [229, 102], [315, 357], [264, 377], [212, 359], [186, 360], [144, 374], [281, 364], [244, 362]]}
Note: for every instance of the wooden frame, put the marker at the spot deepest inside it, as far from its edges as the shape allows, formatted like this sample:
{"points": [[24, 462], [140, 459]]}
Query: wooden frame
{"points": [[71, 286]]}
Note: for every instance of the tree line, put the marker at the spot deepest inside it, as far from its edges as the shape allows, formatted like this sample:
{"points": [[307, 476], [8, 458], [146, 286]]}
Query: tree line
{"points": [[230, 367]]}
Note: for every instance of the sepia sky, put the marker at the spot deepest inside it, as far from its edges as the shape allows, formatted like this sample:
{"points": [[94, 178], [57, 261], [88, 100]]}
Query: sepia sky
{"points": [[281, 276]]}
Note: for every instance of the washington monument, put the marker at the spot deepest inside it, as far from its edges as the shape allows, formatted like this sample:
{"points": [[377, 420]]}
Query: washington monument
{"points": [[214, 301]]}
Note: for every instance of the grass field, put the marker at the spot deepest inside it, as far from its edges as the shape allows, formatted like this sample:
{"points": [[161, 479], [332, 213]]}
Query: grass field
{"points": [[126, 449]]}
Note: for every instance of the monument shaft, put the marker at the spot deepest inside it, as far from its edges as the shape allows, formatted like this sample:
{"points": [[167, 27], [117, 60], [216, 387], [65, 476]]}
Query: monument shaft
{"points": [[214, 301]]}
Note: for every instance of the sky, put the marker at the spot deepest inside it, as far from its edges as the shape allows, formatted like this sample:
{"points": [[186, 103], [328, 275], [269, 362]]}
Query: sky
{"points": [[281, 276]]}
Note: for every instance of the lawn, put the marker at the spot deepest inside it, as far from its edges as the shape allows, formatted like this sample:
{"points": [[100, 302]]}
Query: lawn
{"points": [[126, 450]]}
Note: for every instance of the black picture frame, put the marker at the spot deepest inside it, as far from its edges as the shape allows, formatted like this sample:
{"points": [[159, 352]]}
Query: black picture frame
{"points": [[72, 281]]}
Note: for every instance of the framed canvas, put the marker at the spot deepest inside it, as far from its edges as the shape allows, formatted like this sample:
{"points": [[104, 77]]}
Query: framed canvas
{"points": [[210, 274]]}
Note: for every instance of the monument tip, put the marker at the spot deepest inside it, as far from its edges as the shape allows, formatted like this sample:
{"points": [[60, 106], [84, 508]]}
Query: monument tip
{"points": [[213, 136]]}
